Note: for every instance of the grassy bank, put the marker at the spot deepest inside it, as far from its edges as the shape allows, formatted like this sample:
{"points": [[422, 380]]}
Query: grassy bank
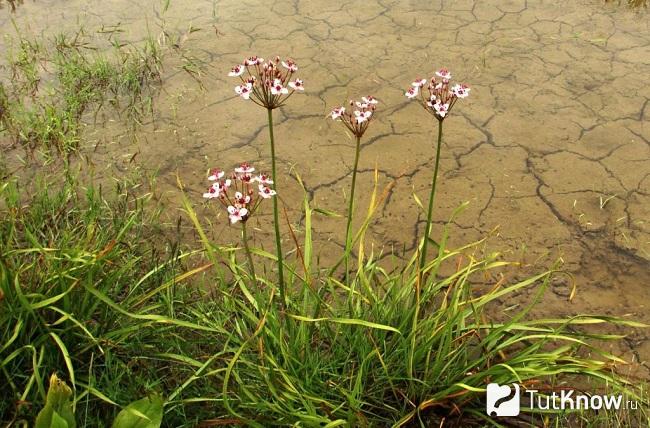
{"points": [[88, 294]]}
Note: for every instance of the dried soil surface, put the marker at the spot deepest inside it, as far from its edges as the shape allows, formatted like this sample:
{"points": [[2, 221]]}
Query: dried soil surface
{"points": [[552, 147]]}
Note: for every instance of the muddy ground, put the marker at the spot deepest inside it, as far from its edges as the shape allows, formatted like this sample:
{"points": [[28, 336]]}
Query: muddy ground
{"points": [[552, 148]]}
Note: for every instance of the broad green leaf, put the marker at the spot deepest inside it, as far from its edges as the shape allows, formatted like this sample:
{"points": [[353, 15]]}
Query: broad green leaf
{"points": [[57, 412], [58, 421], [145, 413]]}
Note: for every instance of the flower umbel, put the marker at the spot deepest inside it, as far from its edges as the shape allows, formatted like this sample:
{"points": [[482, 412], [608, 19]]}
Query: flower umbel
{"points": [[440, 97], [237, 193], [358, 117], [268, 84]]}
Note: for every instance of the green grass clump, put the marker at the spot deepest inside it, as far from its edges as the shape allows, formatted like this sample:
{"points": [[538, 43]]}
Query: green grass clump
{"points": [[72, 267], [49, 87], [387, 349], [90, 290]]}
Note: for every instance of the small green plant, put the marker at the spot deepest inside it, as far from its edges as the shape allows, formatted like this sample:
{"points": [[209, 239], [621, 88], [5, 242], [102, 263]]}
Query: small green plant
{"points": [[78, 80], [144, 413], [58, 411]]}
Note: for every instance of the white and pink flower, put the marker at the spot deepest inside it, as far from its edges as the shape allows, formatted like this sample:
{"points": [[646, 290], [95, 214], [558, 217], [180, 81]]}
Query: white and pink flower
{"points": [[264, 179], [297, 85], [244, 168], [362, 116], [268, 84], [419, 83], [254, 60], [214, 191], [266, 192], [290, 65], [242, 199], [444, 73], [460, 91], [244, 90], [216, 174], [277, 88], [359, 116], [237, 70], [337, 112], [236, 214], [412, 92], [441, 109], [441, 96]]}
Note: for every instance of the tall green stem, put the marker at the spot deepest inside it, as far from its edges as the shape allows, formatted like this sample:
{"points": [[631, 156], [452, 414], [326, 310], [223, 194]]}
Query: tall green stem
{"points": [[276, 222], [348, 228], [244, 238], [427, 232]]}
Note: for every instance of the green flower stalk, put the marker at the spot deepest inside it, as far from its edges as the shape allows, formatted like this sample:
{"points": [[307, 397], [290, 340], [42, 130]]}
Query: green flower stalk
{"points": [[440, 99], [357, 124], [269, 85], [276, 220], [427, 231], [244, 238]]}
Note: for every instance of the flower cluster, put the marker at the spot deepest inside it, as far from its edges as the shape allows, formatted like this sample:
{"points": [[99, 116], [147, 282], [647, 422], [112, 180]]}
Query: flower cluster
{"points": [[236, 193], [358, 120], [442, 96], [267, 84]]}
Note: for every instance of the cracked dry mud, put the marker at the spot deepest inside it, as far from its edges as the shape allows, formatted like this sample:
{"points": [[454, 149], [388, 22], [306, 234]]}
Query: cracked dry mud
{"points": [[552, 146]]}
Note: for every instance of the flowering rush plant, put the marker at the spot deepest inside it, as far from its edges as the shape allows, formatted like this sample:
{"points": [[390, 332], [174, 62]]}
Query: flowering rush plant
{"points": [[241, 193], [357, 120], [267, 84], [358, 117], [439, 101], [440, 95]]}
